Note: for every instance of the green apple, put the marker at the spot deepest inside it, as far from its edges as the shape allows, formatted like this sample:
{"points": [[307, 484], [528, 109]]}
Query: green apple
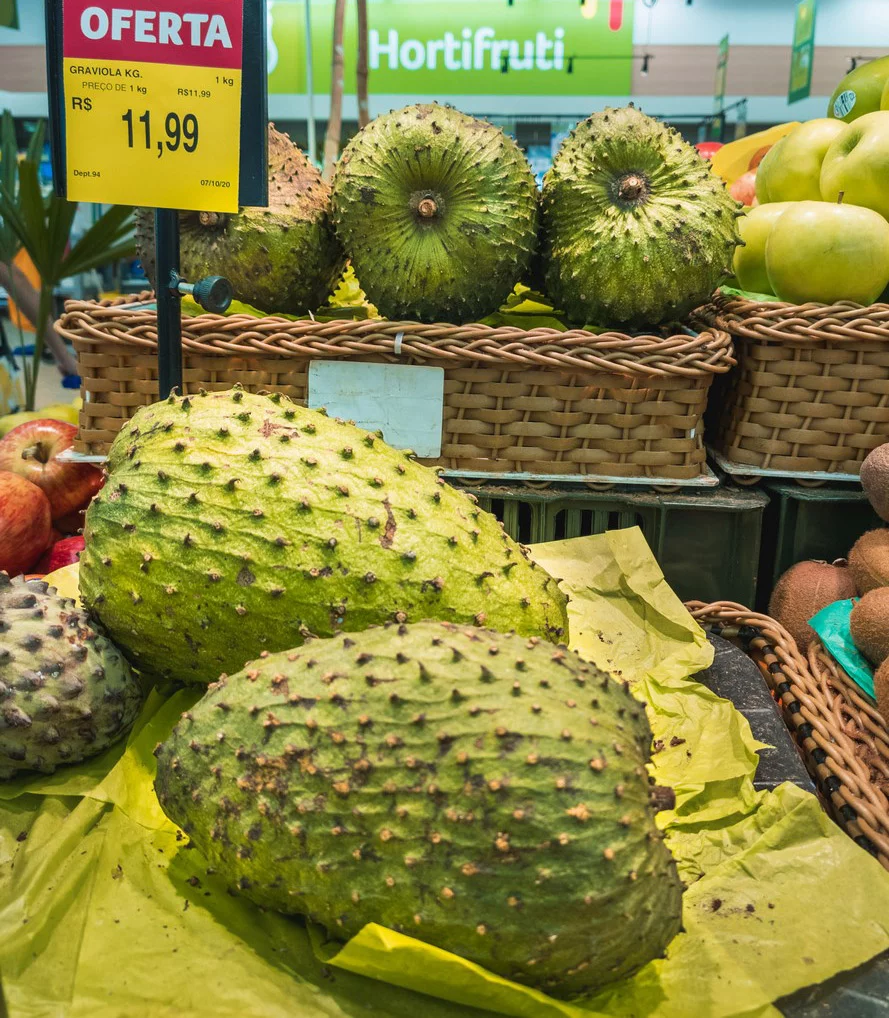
{"points": [[749, 263], [857, 164], [884, 102], [791, 169], [860, 91], [819, 251]]}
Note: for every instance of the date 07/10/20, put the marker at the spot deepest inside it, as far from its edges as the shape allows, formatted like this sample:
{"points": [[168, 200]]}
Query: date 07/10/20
{"points": [[179, 132]]}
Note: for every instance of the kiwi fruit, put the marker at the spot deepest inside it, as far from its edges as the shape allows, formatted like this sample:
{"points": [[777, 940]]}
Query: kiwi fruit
{"points": [[874, 475], [869, 560], [869, 623], [803, 591]]}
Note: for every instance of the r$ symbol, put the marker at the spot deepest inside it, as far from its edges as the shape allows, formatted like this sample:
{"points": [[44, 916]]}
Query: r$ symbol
{"points": [[81, 103]]}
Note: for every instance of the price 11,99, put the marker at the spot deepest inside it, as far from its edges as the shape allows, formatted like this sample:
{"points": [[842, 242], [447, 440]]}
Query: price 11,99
{"points": [[179, 133]]}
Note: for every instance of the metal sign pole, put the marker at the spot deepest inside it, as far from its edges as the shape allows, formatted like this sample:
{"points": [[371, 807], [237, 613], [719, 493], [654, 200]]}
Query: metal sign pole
{"points": [[169, 309], [310, 85]]}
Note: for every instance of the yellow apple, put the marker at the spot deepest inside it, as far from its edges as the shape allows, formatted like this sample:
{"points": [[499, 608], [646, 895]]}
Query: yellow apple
{"points": [[820, 251], [884, 101], [791, 169], [857, 164], [860, 91], [749, 263]]}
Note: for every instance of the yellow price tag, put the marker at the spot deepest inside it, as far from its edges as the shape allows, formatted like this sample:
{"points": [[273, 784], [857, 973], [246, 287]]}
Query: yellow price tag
{"points": [[153, 103]]}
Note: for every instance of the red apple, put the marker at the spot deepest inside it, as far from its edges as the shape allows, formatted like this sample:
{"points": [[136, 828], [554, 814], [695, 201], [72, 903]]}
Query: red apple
{"points": [[708, 149], [31, 450], [25, 523], [73, 523], [62, 553], [744, 188]]}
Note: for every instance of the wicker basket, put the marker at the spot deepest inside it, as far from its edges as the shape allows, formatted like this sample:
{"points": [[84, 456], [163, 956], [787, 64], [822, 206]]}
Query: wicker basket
{"points": [[542, 402], [841, 736], [811, 391]]}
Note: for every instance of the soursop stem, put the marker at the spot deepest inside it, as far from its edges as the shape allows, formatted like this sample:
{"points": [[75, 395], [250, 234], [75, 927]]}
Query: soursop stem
{"points": [[632, 188], [426, 205]]}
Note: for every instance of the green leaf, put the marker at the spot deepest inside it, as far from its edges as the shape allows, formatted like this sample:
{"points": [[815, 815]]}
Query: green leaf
{"points": [[35, 145], [9, 242], [9, 237], [109, 238], [43, 228], [26, 216]]}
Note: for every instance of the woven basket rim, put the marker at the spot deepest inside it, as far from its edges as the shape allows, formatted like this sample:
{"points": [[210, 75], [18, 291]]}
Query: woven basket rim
{"points": [[109, 322], [835, 726], [842, 322]]}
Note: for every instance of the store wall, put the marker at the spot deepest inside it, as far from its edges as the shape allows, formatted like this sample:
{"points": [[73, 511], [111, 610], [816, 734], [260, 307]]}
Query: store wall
{"points": [[682, 40]]}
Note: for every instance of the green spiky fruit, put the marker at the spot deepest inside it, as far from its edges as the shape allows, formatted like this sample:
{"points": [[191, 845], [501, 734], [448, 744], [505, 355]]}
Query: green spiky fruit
{"points": [[438, 213], [233, 523], [280, 258], [66, 693], [636, 228], [481, 792]]}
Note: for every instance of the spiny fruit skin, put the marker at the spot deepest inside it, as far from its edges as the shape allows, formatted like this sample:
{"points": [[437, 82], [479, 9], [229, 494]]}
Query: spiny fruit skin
{"points": [[280, 258], [233, 523], [636, 228], [66, 693], [438, 213], [484, 793]]}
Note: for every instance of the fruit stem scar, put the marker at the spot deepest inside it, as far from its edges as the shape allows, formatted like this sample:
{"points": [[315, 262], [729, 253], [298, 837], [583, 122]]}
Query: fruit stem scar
{"points": [[631, 187]]}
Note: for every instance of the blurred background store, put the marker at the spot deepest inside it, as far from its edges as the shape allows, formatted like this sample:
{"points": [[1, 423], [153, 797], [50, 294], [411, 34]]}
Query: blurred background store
{"points": [[534, 67]]}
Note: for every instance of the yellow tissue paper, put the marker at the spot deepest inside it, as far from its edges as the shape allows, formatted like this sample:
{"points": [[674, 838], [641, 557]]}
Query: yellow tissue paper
{"points": [[105, 911]]}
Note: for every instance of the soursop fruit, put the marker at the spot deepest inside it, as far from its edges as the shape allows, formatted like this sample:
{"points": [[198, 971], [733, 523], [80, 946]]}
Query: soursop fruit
{"points": [[233, 523], [438, 213], [636, 228], [66, 692], [281, 258], [484, 793]]}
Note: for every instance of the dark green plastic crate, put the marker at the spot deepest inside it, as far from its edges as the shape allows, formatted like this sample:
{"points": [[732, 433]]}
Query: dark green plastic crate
{"points": [[811, 523], [707, 544]]}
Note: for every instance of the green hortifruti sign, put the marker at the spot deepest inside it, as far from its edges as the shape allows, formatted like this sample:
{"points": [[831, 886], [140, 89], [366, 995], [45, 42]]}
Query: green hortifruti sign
{"points": [[803, 52], [721, 74], [463, 47], [9, 15]]}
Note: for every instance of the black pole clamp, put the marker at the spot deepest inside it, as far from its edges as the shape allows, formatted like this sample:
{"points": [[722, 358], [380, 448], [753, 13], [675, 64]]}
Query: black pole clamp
{"points": [[213, 293]]}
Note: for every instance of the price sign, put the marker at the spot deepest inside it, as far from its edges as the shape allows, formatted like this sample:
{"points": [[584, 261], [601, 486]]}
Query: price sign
{"points": [[150, 96]]}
